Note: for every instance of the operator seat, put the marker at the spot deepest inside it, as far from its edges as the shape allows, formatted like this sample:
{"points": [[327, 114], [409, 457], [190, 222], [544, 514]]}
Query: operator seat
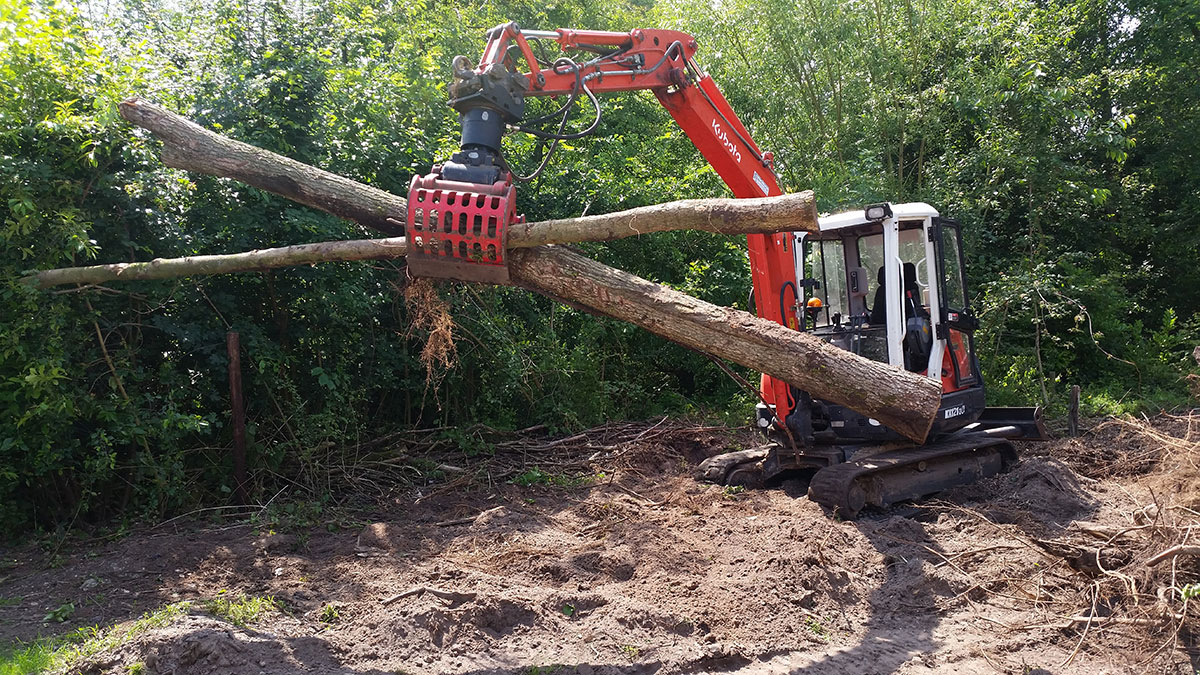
{"points": [[918, 336], [911, 309], [911, 289], [879, 306]]}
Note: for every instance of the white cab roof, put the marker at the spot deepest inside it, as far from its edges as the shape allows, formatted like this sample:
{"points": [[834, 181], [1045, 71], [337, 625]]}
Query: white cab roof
{"points": [[909, 211]]}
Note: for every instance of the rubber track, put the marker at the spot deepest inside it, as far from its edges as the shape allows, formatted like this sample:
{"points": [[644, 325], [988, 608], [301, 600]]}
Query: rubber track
{"points": [[830, 486]]}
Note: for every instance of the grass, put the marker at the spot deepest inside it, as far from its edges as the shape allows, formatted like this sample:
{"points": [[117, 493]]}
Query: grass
{"points": [[82, 643], [732, 492], [329, 614], [536, 476], [65, 651], [61, 614], [241, 610]]}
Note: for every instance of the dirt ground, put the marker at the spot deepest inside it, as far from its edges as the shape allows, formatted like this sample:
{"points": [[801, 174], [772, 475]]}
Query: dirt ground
{"points": [[644, 570]]}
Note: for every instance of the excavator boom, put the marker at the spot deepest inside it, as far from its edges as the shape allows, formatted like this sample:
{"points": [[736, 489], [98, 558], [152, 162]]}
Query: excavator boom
{"points": [[459, 213]]}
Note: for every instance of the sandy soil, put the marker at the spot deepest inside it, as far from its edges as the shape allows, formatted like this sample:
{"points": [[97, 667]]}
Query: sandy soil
{"points": [[648, 571]]}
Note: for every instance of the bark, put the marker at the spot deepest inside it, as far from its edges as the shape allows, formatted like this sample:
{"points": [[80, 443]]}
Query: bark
{"points": [[260, 259], [189, 146], [901, 400], [770, 214], [785, 213], [898, 399]]}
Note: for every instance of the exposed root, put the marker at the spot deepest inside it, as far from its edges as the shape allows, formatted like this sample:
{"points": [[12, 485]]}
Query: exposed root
{"points": [[1144, 575], [430, 313]]}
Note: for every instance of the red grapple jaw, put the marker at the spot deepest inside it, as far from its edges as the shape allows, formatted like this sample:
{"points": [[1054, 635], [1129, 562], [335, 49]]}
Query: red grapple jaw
{"points": [[460, 230]]}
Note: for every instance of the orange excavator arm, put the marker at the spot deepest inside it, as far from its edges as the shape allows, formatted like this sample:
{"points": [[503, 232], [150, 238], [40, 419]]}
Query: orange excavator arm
{"points": [[459, 213]]}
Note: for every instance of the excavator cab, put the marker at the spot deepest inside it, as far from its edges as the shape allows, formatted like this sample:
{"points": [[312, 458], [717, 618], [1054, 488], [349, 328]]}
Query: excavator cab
{"points": [[887, 284]]}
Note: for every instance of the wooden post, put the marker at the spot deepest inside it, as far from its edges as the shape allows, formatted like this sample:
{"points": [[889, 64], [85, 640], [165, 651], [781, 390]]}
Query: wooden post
{"points": [[1073, 412], [233, 348]]}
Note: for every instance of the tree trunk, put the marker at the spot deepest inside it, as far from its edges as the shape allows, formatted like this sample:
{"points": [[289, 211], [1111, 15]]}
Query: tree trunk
{"points": [[187, 145], [726, 216], [260, 259], [766, 215], [901, 400]]}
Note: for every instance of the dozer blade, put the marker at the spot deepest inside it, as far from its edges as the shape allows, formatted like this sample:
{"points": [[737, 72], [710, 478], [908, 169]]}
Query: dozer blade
{"points": [[1027, 421], [912, 473]]}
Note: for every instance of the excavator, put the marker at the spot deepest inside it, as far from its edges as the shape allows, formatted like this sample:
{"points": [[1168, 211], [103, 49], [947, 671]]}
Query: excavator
{"points": [[885, 282]]}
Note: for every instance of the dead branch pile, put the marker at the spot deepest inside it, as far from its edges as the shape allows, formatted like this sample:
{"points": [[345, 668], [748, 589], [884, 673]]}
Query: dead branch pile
{"points": [[1099, 537], [452, 457], [1128, 446], [1143, 574]]}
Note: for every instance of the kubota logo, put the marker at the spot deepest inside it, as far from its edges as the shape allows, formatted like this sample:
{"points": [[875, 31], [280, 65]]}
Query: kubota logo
{"points": [[724, 138]]}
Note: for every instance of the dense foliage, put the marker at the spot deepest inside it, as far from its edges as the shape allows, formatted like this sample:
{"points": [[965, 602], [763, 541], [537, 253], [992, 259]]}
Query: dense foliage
{"points": [[1064, 134]]}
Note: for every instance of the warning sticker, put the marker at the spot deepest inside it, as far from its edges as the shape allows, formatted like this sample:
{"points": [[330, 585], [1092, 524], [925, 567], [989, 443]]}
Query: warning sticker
{"points": [[762, 184]]}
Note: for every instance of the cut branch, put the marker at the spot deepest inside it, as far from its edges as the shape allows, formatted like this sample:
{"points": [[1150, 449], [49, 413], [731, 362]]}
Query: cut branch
{"points": [[260, 259], [1173, 552]]}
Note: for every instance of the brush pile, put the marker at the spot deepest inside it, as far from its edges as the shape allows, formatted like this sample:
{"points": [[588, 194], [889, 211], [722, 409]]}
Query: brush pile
{"points": [[1141, 558], [451, 458]]}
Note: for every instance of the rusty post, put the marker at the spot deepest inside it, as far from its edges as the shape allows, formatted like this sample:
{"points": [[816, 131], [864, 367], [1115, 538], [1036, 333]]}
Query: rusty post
{"points": [[233, 348]]}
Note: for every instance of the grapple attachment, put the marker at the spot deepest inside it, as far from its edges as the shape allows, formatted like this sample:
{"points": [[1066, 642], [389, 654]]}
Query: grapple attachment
{"points": [[459, 230]]}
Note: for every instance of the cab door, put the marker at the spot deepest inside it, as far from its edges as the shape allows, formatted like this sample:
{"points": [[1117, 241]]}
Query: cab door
{"points": [[957, 324]]}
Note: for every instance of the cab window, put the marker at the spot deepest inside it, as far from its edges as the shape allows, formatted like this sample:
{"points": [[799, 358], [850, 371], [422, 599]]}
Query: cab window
{"points": [[912, 251], [827, 265], [956, 297]]}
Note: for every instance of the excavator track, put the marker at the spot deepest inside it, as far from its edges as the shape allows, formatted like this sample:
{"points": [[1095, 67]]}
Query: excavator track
{"points": [[912, 473]]}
